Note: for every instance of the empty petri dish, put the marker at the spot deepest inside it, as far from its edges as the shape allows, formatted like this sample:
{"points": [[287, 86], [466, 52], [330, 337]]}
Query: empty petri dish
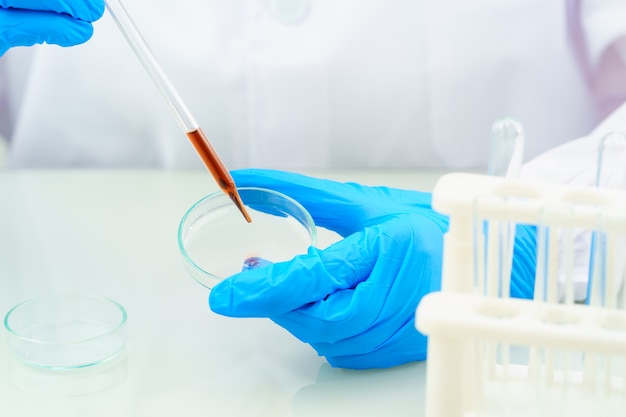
{"points": [[216, 241], [65, 331]]}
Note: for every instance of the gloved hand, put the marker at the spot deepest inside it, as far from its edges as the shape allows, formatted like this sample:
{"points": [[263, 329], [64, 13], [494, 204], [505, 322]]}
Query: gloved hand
{"points": [[354, 301], [62, 22]]}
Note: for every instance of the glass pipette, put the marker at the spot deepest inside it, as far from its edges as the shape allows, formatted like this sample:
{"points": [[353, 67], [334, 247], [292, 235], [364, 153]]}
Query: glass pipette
{"points": [[180, 111]]}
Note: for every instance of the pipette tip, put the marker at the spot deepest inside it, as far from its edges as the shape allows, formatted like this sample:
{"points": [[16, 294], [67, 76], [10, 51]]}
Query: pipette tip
{"points": [[237, 200]]}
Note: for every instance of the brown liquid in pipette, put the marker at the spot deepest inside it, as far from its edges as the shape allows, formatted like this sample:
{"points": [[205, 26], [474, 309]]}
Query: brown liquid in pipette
{"points": [[223, 178]]}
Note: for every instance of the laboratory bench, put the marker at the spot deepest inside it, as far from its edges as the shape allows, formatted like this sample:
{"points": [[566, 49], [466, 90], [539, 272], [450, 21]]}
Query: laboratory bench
{"points": [[114, 233]]}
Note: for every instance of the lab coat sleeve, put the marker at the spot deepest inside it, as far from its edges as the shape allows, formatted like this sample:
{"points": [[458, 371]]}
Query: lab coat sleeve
{"points": [[575, 163]]}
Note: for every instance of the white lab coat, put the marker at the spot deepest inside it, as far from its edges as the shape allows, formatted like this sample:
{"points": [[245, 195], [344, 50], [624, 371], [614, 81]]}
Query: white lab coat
{"points": [[296, 84]]}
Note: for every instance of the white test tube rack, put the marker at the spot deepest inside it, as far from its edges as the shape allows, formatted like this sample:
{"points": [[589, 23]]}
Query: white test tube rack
{"points": [[492, 355]]}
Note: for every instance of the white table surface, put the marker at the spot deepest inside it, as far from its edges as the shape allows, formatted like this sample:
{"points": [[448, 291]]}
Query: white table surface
{"points": [[113, 233]]}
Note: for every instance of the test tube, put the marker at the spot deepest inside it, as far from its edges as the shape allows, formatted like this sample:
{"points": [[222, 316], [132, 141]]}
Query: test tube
{"points": [[611, 165], [506, 154], [506, 149], [610, 174], [177, 106]]}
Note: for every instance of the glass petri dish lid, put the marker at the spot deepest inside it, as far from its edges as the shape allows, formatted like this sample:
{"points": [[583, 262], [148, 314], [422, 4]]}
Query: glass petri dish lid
{"points": [[215, 240], [66, 331]]}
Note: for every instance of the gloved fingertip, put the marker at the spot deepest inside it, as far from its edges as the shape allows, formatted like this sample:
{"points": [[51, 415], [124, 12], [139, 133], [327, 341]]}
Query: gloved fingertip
{"points": [[254, 262], [78, 33], [84, 33], [98, 9], [220, 299], [91, 11]]}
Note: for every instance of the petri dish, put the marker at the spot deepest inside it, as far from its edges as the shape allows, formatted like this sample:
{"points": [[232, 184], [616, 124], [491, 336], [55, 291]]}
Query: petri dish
{"points": [[216, 242], [66, 331]]}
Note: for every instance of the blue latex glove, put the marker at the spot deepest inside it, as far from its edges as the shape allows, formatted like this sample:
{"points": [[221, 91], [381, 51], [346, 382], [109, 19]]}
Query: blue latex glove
{"points": [[355, 301], [62, 22]]}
